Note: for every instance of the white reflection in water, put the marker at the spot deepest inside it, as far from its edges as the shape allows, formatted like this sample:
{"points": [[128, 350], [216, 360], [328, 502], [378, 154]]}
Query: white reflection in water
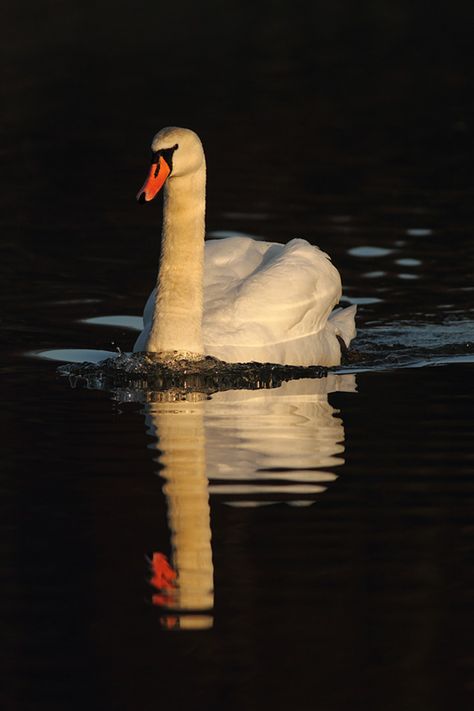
{"points": [[374, 275], [369, 251], [250, 448], [407, 276], [408, 262], [419, 232]]}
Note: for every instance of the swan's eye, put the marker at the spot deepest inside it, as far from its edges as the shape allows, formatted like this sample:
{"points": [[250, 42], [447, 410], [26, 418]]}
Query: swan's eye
{"points": [[167, 154]]}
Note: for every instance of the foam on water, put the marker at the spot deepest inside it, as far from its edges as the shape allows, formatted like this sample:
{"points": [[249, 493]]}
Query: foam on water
{"points": [[145, 377]]}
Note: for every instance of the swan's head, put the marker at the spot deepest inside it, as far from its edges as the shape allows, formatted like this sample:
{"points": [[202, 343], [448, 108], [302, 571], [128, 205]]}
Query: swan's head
{"points": [[176, 152]]}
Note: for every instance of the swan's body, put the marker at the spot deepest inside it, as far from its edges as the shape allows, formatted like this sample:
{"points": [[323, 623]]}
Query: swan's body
{"points": [[237, 299]]}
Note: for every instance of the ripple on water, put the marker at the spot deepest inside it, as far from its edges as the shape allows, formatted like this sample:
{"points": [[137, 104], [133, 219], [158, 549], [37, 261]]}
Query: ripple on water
{"points": [[225, 234], [374, 274], [419, 231], [411, 345], [362, 300], [408, 262], [368, 251], [74, 355], [134, 323]]}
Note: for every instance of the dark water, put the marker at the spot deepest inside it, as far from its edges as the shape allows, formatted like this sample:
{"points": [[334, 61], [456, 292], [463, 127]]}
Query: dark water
{"points": [[322, 530]]}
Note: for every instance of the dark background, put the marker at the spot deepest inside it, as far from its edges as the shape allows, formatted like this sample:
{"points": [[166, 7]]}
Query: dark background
{"points": [[339, 96]]}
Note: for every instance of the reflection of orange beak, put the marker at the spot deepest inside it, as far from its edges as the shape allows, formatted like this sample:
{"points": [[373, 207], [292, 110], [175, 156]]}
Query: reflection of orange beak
{"points": [[163, 575], [156, 177]]}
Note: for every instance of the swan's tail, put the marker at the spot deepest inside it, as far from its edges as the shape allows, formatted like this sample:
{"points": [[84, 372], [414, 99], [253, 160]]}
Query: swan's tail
{"points": [[343, 321]]}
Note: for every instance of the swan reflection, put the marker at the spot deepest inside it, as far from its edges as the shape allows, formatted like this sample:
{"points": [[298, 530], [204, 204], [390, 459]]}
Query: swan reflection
{"points": [[249, 448]]}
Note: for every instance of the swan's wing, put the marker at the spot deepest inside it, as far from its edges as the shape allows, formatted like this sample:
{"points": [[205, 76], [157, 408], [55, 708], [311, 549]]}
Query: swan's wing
{"points": [[234, 258], [258, 293]]}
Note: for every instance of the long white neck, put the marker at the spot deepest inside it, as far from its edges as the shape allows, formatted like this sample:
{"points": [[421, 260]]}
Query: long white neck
{"points": [[177, 318]]}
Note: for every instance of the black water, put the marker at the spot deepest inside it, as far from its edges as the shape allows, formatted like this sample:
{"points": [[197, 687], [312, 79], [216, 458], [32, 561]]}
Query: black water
{"points": [[323, 529]]}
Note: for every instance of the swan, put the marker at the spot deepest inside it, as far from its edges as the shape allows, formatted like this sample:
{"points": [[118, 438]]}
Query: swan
{"points": [[237, 299]]}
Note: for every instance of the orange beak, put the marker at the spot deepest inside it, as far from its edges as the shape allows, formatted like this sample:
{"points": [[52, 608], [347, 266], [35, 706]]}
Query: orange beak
{"points": [[156, 177]]}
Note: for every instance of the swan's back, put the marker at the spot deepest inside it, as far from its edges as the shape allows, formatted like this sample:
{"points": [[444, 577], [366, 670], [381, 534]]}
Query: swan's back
{"points": [[261, 295]]}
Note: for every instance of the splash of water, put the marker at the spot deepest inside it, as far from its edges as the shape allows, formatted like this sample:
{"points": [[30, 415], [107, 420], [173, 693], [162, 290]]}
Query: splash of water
{"points": [[145, 377]]}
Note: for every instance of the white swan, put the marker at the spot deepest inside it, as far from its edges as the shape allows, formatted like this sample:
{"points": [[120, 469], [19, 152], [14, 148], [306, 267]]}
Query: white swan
{"points": [[236, 299]]}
